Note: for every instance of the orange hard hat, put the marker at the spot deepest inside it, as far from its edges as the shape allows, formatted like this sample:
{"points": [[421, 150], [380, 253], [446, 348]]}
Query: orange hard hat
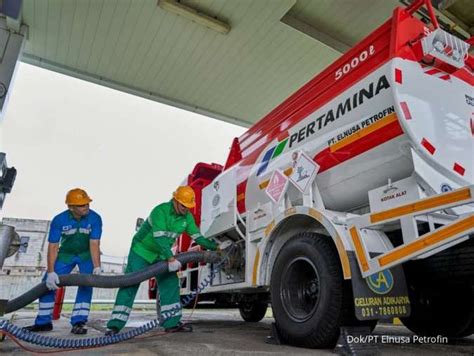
{"points": [[185, 196], [77, 196]]}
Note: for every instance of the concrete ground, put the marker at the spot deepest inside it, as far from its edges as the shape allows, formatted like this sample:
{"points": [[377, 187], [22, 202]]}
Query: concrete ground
{"points": [[222, 332]]}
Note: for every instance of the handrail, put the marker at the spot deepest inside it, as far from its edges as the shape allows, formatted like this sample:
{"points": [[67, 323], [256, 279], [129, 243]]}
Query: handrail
{"points": [[415, 6]]}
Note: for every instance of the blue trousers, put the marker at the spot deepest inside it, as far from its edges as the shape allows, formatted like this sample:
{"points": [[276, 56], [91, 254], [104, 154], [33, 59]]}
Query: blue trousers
{"points": [[82, 305]]}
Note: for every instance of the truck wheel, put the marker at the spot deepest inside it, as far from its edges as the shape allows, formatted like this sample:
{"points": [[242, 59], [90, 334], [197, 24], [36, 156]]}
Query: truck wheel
{"points": [[445, 309], [253, 311], [307, 291]]}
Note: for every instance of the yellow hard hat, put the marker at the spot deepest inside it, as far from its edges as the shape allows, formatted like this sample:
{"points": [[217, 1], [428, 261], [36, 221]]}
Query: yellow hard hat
{"points": [[185, 196], [77, 196]]}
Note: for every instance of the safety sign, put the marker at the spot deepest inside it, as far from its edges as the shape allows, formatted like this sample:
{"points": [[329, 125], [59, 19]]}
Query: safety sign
{"points": [[277, 186], [304, 171]]}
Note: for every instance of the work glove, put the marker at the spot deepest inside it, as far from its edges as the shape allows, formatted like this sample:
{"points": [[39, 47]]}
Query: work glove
{"points": [[97, 270], [52, 281], [174, 265]]}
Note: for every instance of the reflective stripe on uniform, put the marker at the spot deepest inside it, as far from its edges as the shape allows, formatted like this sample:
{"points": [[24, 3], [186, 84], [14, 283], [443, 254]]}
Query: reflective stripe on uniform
{"points": [[170, 306], [117, 316], [82, 305], [80, 312], [173, 235], [46, 305], [171, 313], [121, 309], [45, 311]]}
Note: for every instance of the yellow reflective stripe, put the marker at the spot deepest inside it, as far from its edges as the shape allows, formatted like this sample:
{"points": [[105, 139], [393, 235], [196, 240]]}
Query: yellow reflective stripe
{"points": [[364, 132], [269, 228], [359, 248], [346, 268], [425, 204], [290, 211], [430, 239], [255, 266], [264, 184]]}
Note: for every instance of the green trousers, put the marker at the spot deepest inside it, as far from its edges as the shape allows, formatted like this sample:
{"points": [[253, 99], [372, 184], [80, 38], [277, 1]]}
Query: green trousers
{"points": [[168, 286]]}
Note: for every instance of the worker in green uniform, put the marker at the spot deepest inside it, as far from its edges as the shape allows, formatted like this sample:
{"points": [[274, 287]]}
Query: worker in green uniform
{"points": [[152, 243]]}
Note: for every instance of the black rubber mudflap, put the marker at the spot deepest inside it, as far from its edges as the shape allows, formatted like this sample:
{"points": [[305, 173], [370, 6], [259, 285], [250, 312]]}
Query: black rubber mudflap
{"points": [[356, 341]]}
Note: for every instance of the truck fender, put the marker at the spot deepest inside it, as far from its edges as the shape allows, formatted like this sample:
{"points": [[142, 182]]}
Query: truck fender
{"points": [[287, 224]]}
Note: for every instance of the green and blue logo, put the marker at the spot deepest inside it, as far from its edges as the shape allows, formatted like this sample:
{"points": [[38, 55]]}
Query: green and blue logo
{"points": [[270, 154], [381, 282]]}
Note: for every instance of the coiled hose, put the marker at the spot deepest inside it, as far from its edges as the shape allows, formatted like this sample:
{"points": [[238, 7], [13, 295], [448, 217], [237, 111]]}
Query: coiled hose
{"points": [[102, 282]]}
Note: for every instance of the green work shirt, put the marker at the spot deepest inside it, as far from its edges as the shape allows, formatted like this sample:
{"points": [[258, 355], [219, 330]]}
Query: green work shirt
{"points": [[154, 239]]}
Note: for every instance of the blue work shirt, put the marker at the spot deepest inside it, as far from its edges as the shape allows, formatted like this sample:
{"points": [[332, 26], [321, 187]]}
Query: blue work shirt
{"points": [[74, 235]]}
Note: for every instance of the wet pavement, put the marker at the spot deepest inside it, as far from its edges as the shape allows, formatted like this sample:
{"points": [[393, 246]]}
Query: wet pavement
{"points": [[222, 332]]}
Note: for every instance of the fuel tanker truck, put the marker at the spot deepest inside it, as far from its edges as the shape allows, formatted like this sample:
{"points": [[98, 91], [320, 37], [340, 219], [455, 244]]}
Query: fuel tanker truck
{"points": [[352, 201]]}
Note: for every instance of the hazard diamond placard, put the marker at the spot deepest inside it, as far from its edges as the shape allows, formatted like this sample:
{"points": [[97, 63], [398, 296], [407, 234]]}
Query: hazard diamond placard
{"points": [[304, 172], [277, 186]]}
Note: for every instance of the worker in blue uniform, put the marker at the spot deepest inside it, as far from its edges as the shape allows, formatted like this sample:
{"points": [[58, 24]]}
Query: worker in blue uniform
{"points": [[74, 240]]}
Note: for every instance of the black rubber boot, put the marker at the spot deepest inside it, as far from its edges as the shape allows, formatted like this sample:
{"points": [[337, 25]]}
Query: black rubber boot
{"points": [[111, 331], [79, 329], [39, 328]]}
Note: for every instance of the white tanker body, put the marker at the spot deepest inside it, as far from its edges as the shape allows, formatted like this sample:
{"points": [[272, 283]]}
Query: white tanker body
{"points": [[403, 118], [352, 201]]}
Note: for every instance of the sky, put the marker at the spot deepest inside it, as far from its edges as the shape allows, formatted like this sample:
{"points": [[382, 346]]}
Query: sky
{"points": [[127, 152]]}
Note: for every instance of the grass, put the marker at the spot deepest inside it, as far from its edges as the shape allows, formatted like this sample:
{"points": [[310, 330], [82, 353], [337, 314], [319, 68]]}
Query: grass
{"points": [[67, 308]]}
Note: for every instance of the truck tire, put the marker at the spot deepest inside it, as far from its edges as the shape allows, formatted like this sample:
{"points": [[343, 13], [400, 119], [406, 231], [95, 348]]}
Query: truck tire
{"points": [[253, 311], [445, 309], [307, 291]]}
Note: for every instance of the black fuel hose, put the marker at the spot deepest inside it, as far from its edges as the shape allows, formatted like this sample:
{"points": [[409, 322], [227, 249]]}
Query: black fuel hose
{"points": [[20, 333], [126, 280]]}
